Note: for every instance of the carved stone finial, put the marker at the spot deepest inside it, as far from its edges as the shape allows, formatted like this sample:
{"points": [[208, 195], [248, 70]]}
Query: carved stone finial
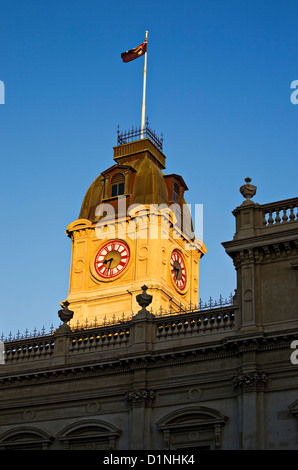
{"points": [[144, 299], [248, 190], [65, 314]]}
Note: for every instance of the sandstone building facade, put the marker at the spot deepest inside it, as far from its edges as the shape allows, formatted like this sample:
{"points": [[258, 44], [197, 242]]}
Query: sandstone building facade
{"points": [[171, 378]]}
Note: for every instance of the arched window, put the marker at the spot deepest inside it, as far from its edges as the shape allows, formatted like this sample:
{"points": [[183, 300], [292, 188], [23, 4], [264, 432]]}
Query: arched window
{"points": [[25, 438], [193, 427], [117, 184], [90, 435], [176, 193]]}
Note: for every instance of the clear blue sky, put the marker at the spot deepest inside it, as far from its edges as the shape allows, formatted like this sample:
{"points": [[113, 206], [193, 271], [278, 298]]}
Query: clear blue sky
{"points": [[218, 87]]}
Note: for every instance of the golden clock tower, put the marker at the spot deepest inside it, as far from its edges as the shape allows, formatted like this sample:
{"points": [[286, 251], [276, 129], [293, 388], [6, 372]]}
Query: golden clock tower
{"points": [[134, 228]]}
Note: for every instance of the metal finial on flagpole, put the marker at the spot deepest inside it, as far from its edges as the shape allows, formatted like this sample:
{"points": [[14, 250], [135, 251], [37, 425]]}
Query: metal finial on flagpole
{"points": [[144, 91]]}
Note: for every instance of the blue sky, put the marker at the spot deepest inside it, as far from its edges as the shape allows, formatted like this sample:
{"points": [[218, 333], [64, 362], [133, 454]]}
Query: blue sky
{"points": [[218, 88]]}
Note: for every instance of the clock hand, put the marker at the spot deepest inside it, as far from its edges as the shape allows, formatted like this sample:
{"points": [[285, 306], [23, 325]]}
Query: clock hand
{"points": [[176, 272], [106, 261]]}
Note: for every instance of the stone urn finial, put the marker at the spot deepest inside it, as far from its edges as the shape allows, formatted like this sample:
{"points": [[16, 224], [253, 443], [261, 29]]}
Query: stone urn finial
{"points": [[144, 299], [65, 314], [248, 190]]}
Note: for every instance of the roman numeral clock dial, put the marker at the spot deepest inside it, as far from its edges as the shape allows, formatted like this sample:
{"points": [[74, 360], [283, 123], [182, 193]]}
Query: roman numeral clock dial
{"points": [[111, 259], [178, 270]]}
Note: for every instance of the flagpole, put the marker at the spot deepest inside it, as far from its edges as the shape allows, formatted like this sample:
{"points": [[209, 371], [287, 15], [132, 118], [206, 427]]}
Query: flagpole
{"points": [[144, 91]]}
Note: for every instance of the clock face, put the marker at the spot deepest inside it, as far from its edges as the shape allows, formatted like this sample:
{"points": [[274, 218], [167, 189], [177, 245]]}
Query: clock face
{"points": [[111, 259], [178, 270]]}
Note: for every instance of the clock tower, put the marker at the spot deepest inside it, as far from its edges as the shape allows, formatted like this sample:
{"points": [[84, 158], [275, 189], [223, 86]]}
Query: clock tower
{"points": [[134, 228]]}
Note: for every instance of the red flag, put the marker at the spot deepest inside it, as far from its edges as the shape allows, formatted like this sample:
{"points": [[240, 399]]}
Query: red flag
{"points": [[133, 54]]}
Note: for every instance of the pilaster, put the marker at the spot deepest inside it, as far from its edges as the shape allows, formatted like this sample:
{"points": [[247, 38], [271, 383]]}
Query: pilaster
{"points": [[250, 384]]}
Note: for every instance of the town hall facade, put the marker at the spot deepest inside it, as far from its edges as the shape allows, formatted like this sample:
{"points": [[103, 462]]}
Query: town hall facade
{"points": [[136, 363]]}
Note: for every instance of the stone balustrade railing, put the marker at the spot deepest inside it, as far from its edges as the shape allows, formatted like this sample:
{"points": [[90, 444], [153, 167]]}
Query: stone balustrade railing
{"points": [[280, 212], [29, 349], [196, 323], [165, 327], [99, 338]]}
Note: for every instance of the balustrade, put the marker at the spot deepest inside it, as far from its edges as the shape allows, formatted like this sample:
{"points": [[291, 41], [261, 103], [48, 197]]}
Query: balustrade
{"points": [[39, 348], [195, 323], [99, 338], [280, 212]]}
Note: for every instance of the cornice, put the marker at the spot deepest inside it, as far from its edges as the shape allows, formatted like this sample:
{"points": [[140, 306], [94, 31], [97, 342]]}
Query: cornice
{"points": [[265, 252], [225, 348], [265, 238]]}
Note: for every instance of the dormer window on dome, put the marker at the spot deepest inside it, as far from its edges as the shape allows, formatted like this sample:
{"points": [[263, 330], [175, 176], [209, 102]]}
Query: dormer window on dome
{"points": [[176, 193], [176, 188], [117, 185], [117, 181]]}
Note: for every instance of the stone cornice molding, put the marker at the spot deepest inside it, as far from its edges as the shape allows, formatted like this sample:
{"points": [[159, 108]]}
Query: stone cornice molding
{"points": [[227, 347], [264, 239], [266, 252]]}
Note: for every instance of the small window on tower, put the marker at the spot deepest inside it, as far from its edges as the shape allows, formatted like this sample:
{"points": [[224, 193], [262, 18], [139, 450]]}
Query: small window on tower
{"points": [[117, 185], [176, 193]]}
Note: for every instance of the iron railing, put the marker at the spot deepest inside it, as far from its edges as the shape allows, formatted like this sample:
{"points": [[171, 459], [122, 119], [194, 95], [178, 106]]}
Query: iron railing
{"points": [[137, 133], [125, 318]]}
